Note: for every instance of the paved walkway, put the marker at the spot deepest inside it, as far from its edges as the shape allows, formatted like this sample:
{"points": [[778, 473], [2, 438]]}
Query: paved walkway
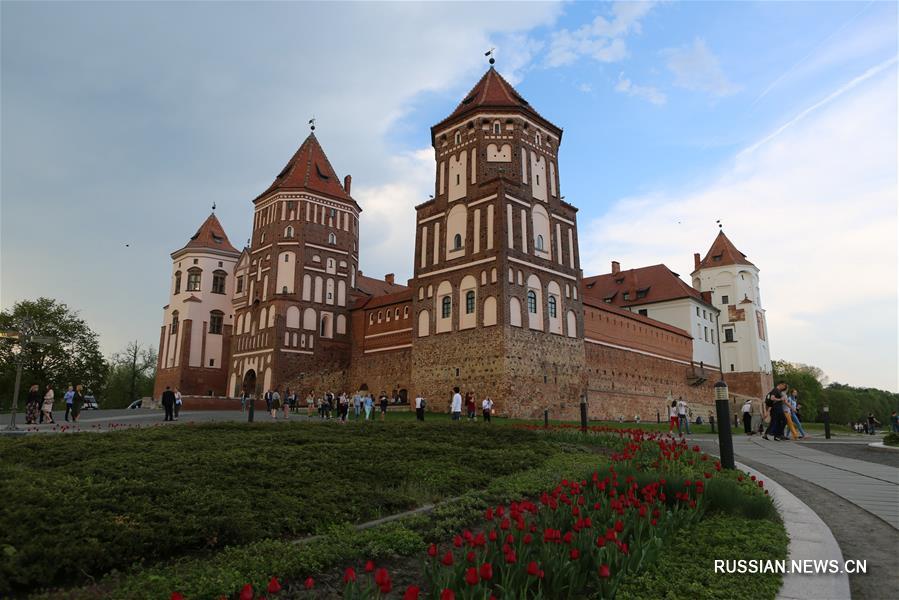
{"points": [[873, 487]]}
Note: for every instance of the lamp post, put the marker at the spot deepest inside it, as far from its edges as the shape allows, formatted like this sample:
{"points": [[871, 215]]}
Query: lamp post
{"points": [[22, 337], [584, 413], [827, 422], [725, 441]]}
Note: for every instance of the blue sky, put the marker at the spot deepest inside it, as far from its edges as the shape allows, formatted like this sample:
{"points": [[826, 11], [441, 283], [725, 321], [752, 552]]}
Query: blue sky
{"points": [[122, 123]]}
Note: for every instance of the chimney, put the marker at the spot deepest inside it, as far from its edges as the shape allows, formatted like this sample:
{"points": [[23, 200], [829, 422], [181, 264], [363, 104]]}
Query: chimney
{"points": [[347, 181], [696, 260], [389, 278], [616, 267]]}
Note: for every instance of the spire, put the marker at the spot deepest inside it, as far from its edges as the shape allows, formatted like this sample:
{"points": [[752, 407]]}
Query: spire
{"points": [[211, 235], [309, 169], [493, 92], [723, 252]]}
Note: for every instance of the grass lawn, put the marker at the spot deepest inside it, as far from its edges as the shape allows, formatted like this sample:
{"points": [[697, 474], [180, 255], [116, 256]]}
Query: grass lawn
{"points": [[82, 505]]}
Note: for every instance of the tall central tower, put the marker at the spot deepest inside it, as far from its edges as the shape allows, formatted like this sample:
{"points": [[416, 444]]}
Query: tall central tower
{"points": [[495, 293]]}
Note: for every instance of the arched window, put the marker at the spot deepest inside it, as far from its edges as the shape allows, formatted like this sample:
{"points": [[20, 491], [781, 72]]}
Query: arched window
{"points": [[380, 316], [539, 242], [174, 328], [177, 282], [469, 302], [406, 312], [193, 279], [553, 309], [216, 319], [497, 128], [332, 239], [538, 139], [458, 137], [457, 241], [396, 314], [218, 282], [288, 233], [446, 307], [532, 302], [284, 289], [371, 318]]}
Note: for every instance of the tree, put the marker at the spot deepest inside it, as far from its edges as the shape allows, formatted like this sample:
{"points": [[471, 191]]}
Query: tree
{"points": [[74, 357], [131, 375]]}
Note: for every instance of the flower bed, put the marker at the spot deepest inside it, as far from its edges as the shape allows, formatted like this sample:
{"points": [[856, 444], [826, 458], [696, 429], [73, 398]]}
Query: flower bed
{"points": [[579, 538]]}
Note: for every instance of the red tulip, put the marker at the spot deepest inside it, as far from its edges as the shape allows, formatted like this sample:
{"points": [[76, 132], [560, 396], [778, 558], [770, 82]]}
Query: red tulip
{"points": [[273, 586], [349, 576], [574, 554], [175, 595], [457, 541], [447, 595], [246, 592], [619, 526], [309, 583], [471, 576], [381, 576], [488, 514], [369, 566], [604, 571], [486, 571], [447, 559], [411, 593], [533, 568], [527, 539], [432, 550], [470, 557], [511, 558]]}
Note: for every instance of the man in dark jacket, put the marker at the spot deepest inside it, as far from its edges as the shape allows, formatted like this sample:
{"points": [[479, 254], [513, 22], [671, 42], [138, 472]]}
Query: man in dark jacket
{"points": [[774, 402], [168, 403]]}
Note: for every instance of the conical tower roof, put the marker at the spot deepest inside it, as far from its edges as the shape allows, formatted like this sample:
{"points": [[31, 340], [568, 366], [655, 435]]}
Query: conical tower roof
{"points": [[723, 253], [211, 235], [309, 169], [493, 92]]}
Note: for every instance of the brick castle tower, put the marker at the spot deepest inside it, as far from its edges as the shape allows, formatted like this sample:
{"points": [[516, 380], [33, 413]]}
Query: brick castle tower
{"points": [[195, 340], [495, 292], [293, 283]]}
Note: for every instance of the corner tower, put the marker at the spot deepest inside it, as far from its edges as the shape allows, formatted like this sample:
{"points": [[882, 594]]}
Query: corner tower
{"points": [[495, 292], [291, 300], [195, 340], [733, 283]]}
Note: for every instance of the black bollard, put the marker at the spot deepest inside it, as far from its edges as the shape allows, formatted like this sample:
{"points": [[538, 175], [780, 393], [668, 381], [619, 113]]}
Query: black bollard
{"points": [[827, 422], [252, 401], [658, 417], [584, 414], [725, 441], [546, 419]]}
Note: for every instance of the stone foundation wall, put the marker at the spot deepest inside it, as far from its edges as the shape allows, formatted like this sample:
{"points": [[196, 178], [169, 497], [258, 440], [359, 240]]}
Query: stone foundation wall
{"points": [[382, 371]]}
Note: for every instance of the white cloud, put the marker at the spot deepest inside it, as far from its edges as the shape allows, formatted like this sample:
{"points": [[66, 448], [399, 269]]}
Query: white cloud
{"points": [[815, 209], [696, 68], [585, 88], [647, 92], [602, 39]]}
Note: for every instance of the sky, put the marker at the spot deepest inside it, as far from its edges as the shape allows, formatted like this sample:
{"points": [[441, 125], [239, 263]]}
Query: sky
{"points": [[122, 123]]}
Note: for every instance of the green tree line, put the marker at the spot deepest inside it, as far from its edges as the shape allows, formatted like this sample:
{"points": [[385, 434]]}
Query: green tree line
{"points": [[847, 403], [70, 354]]}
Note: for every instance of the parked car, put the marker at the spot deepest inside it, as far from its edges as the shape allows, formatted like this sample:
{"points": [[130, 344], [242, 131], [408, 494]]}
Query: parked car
{"points": [[90, 403], [136, 404]]}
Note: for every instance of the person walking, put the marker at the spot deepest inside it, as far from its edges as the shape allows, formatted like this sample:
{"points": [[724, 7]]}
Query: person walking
{"points": [[383, 400], [487, 408], [456, 405], [310, 404], [32, 405], [369, 404], [747, 416], [793, 416], [357, 405], [873, 424], [774, 402], [177, 403], [672, 417], [168, 404], [290, 403], [344, 407], [77, 402], [47, 406], [470, 406], [70, 393], [419, 408], [683, 416], [243, 401], [894, 422]]}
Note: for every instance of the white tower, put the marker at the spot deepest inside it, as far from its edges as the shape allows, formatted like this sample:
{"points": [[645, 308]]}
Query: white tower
{"points": [[195, 341], [733, 282]]}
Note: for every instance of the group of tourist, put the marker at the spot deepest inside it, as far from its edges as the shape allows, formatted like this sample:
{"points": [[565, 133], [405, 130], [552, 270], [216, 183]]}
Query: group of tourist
{"points": [[470, 406], [327, 405], [679, 416], [781, 411], [39, 408], [869, 424]]}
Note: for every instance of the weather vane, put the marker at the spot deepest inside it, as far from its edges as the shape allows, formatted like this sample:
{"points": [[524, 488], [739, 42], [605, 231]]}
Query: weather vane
{"points": [[490, 54], [312, 123], [720, 224], [213, 207]]}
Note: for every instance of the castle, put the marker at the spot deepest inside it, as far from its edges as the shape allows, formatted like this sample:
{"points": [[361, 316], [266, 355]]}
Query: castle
{"points": [[497, 304]]}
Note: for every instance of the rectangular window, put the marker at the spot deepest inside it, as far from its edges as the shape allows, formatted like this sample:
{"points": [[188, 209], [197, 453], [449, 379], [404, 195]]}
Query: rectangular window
{"points": [[704, 315], [240, 284], [211, 362], [706, 333], [469, 303], [218, 282], [725, 299], [697, 311], [193, 281], [446, 307], [644, 312], [626, 296], [729, 335], [215, 322]]}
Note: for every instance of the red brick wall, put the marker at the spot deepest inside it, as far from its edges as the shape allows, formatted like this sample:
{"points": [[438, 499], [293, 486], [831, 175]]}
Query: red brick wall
{"points": [[612, 326]]}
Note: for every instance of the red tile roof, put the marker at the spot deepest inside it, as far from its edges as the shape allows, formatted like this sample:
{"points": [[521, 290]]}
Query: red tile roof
{"points": [[309, 169], [492, 91], [723, 252], [377, 287], [592, 303], [211, 234], [394, 298], [645, 285]]}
